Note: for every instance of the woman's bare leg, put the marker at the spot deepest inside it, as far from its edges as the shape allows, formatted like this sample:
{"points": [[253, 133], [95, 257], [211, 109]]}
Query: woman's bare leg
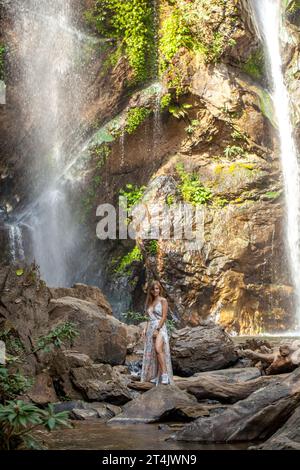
{"points": [[160, 353]]}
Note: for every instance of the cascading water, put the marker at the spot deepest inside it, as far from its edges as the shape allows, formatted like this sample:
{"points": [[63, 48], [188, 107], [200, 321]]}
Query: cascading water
{"points": [[48, 53], [268, 16]]}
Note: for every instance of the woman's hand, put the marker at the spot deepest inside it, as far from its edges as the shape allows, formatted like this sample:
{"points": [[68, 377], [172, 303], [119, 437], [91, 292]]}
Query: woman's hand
{"points": [[155, 333]]}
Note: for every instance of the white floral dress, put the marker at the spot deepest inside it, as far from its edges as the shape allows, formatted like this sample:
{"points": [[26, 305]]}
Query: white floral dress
{"points": [[150, 362]]}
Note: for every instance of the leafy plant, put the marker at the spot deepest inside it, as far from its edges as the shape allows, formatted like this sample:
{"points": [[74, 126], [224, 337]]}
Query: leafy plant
{"points": [[220, 201], [18, 420], [192, 190], [135, 117], [133, 194], [170, 199], [190, 129], [238, 135], [233, 151], [254, 66], [165, 101], [292, 6], [152, 247], [174, 34], [124, 264], [170, 324], [57, 336], [131, 24], [134, 318], [13, 384], [180, 110], [273, 194]]}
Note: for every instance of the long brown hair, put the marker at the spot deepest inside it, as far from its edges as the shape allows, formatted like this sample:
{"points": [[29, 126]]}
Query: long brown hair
{"points": [[150, 296]]}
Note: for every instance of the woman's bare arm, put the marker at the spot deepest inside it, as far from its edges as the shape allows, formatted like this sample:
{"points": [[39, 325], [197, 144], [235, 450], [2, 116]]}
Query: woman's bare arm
{"points": [[164, 313]]}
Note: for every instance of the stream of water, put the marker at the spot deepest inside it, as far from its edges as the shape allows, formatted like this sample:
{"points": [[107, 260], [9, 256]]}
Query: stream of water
{"points": [[49, 47], [268, 14]]}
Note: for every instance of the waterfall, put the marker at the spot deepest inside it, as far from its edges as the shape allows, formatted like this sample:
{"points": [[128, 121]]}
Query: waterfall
{"points": [[16, 243], [48, 47], [268, 15]]}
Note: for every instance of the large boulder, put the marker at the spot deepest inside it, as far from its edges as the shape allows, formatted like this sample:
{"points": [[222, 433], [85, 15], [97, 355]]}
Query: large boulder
{"points": [[161, 402], [287, 437], [100, 382], [255, 418], [101, 336], [200, 349], [82, 291]]}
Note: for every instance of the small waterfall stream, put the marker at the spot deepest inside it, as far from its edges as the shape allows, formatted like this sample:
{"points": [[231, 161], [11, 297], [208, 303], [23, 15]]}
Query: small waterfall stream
{"points": [[49, 48], [268, 14]]}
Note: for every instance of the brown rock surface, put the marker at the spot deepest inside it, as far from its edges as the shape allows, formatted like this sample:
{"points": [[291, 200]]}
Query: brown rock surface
{"points": [[161, 402], [100, 382], [256, 417], [200, 349], [101, 336]]}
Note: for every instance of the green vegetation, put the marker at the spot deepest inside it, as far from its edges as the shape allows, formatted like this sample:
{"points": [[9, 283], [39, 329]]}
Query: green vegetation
{"points": [[135, 117], [124, 264], [170, 199], [133, 194], [266, 107], [233, 151], [165, 101], [152, 247], [220, 201], [190, 129], [99, 154], [2, 52], [134, 318], [254, 66], [273, 194], [179, 110], [65, 332], [292, 6], [131, 24], [170, 324], [174, 34], [18, 420], [13, 383], [238, 135], [192, 190]]}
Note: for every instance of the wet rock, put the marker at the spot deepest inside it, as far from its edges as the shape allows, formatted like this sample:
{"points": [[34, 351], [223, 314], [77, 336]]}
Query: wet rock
{"points": [[101, 336], [100, 382], [162, 402], [200, 349], [254, 418]]}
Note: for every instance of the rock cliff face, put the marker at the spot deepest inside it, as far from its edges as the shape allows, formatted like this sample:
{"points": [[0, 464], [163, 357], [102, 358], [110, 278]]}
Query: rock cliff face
{"points": [[199, 130]]}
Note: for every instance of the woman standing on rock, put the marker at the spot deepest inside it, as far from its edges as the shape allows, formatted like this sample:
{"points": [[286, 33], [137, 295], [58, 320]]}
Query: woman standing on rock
{"points": [[157, 364]]}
